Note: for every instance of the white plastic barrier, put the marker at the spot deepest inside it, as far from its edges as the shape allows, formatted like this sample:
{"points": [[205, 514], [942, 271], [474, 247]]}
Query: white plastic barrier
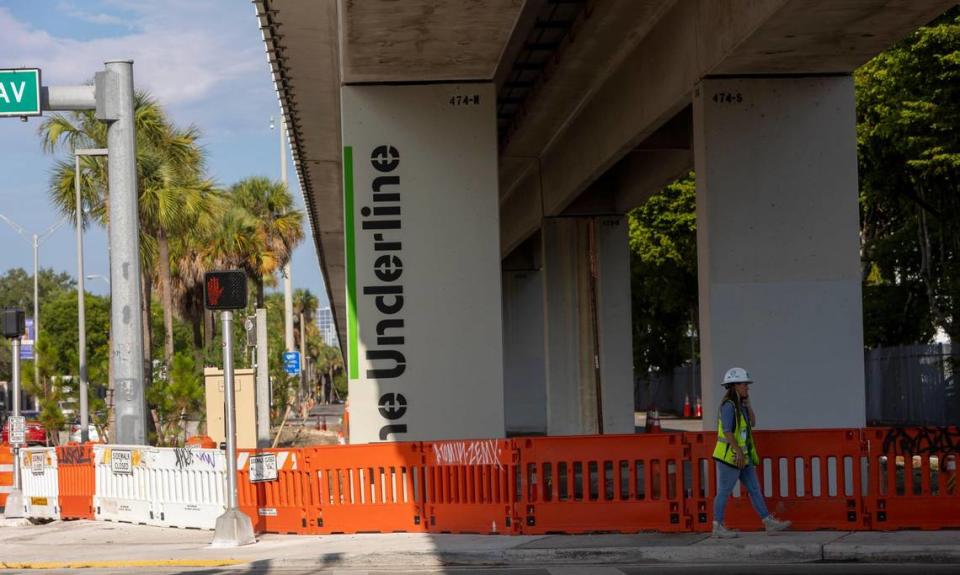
{"points": [[121, 489], [40, 484], [186, 487]]}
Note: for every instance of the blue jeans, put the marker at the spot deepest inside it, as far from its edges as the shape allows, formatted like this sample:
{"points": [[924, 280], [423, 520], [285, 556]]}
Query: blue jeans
{"points": [[727, 477]]}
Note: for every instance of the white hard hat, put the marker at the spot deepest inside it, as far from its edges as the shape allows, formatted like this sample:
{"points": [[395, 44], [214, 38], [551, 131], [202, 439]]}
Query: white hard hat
{"points": [[736, 375]]}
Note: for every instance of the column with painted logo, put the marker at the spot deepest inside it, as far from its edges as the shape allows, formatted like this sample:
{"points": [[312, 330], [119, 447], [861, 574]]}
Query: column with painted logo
{"points": [[424, 349]]}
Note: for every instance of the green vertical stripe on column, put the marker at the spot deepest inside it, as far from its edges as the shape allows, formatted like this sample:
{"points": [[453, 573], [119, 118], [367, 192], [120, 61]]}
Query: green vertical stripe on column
{"points": [[353, 369]]}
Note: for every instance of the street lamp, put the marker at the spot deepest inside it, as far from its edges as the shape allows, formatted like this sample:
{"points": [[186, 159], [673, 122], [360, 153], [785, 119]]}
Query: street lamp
{"points": [[105, 279], [81, 312], [287, 280], [35, 240]]}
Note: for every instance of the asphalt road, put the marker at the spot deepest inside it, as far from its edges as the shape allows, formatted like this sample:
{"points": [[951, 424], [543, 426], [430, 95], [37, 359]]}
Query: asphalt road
{"points": [[798, 569]]}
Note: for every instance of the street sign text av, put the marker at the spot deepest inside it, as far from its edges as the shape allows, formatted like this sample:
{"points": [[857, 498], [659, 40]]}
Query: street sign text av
{"points": [[20, 92]]}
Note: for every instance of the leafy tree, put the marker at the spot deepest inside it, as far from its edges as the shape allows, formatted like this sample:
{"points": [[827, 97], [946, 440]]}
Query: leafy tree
{"points": [[908, 130], [175, 398], [16, 291], [58, 388], [663, 267]]}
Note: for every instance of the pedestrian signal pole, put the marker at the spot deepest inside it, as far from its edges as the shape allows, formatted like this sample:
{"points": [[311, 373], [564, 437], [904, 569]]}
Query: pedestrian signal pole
{"points": [[226, 291], [13, 325]]}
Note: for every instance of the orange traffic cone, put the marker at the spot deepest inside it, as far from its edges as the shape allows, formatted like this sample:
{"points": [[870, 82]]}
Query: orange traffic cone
{"points": [[686, 405], [699, 411], [655, 428]]}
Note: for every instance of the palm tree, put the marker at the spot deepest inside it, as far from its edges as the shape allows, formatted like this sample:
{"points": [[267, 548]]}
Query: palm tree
{"points": [[279, 227], [172, 191], [192, 255]]}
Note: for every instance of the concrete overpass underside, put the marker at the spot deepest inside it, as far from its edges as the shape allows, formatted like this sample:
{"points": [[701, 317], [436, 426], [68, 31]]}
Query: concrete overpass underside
{"points": [[598, 104]]}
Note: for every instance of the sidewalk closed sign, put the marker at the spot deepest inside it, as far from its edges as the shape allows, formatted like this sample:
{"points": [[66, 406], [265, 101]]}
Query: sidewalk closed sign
{"points": [[36, 463], [121, 462], [263, 468], [17, 430]]}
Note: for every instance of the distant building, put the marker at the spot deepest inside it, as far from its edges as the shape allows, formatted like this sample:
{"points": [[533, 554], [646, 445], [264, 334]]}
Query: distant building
{"points": [[328, 330]]}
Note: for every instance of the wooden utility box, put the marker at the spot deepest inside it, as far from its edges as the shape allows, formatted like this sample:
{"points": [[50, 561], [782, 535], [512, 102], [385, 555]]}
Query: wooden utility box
{"points": [[244, 383]]}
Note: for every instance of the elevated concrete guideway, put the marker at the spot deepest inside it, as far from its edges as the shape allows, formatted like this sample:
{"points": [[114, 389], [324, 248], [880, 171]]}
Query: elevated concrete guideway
{"points": [[595, 111]]}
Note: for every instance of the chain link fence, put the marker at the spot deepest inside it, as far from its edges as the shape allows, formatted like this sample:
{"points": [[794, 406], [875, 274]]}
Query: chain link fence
{"points": [[912, 385], [906, 385]]}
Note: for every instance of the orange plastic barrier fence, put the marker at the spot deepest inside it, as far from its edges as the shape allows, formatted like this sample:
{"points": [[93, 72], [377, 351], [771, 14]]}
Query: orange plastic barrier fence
{"points": [[280, 495], [370, 488], [814, 478], [471, 486], [913, 478], [77, 480], [6, 473], [624, 483]]}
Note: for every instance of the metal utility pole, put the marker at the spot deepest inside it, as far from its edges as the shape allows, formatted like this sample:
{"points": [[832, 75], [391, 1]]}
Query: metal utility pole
{"points": [[233, 528], [81, 310], [12, 329], [36, 312], [287, 278], [303, 358], [115, 105], [226, 318], [227, 291], [111, 97]]}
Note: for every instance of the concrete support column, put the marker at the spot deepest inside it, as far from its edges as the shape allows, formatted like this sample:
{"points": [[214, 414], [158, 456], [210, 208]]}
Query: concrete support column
{"points": [[524, 380], [588, 336], [778, 251]]}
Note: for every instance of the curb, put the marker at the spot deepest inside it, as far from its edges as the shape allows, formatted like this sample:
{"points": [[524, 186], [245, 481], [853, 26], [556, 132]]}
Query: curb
{"points": [[840, 552], [782, 554], [39, 565]]}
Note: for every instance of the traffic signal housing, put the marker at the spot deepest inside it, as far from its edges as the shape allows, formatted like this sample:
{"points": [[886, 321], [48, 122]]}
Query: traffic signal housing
{"points": [[225, 290]]}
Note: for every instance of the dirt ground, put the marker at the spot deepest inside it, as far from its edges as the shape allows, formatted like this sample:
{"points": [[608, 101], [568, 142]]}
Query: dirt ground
{"points": [[295, 436]]}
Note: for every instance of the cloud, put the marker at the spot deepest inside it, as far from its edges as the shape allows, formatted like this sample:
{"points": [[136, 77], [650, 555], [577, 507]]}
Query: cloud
{"points": [[182, 51], [101, 18]]}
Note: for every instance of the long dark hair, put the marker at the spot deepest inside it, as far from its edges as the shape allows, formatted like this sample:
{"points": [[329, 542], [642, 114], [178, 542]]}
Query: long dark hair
{"points": [[733, 396]]}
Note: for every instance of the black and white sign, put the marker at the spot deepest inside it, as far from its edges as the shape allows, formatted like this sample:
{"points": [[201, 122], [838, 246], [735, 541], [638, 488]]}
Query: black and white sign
{"points": [[18, 428], [263, 468], [36, 463], [121, 462]]}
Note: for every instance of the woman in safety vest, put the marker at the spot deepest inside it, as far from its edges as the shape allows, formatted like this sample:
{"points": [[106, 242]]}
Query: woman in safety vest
{"points": [[736, 454]]}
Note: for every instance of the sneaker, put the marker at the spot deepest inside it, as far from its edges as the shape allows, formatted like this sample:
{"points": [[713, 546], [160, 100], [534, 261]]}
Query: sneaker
{"points": [[772, 524], [721, 532]]}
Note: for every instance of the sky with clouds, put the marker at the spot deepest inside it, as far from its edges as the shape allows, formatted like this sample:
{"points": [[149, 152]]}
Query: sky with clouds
{"points": [[203, 60]]}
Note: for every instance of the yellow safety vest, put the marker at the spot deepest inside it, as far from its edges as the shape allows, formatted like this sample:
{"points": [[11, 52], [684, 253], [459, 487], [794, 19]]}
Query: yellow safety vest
{"points": [[743, 435]]}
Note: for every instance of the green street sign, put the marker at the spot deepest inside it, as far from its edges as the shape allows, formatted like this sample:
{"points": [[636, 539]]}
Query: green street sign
{"points": [[20, 92]]}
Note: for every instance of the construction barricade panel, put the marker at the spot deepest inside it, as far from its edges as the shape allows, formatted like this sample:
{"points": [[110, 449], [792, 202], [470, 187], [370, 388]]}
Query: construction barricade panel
{"points": [[470, 486], [121, 483], [611, 483], [77, 478], [186, 487], [276, 488], [369, 488], [913, 478], [40, 483], [6, 474], [813, 478]]}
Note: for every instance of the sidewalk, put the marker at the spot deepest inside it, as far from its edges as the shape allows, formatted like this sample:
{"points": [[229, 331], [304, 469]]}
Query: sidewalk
{"points": [[102, 544]]}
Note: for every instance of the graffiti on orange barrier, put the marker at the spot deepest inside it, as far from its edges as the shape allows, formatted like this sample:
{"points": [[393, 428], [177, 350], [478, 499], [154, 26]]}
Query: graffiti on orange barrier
{"points": [[922, 440], [476, 452]]}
